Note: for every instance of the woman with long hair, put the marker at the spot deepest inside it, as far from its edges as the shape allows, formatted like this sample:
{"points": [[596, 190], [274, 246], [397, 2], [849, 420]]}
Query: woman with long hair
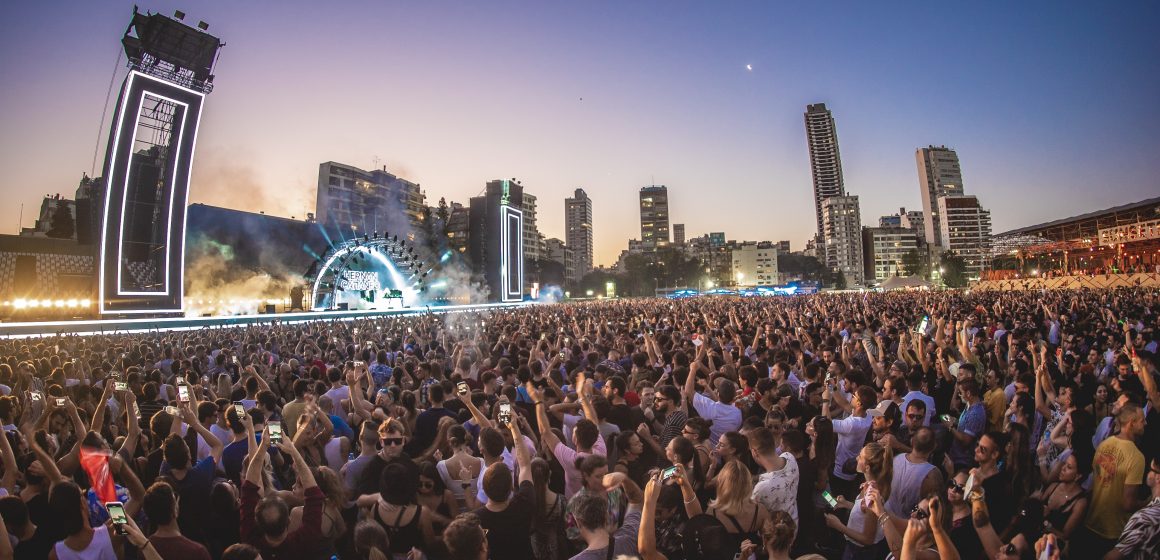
{"points": [[823, 446], [435, 496], [682, 451], [863, 533], [333, 525], [548, 523], [370, 541], [734, 505], [1020, 462], [732, 446], [629, 460], [962, 529], [1065, 501]]}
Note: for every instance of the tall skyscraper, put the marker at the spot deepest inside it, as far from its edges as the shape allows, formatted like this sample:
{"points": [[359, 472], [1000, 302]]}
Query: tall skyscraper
{"points": [[842, 219], [578, 234], [825, 161], [939, 175], [654, 216], [678, 234]]}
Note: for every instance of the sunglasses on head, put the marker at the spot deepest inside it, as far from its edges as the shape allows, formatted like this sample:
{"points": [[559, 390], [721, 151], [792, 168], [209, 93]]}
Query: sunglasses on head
{"points": [[393, 441]]}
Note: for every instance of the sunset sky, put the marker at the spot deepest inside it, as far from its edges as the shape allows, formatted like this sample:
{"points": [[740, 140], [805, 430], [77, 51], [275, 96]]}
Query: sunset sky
{"points": [[1052, 106]]}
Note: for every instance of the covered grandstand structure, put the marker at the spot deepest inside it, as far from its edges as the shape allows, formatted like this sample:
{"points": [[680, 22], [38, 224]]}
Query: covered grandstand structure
{"points": [[1119, 240]]}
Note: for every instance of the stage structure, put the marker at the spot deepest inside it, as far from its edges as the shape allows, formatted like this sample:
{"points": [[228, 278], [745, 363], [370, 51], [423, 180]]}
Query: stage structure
{"points": [[147, 166], [496, 242], [372, 272]]}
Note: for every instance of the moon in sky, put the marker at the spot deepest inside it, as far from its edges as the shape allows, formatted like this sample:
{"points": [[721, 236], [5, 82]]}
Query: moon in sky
{"points": [[749, 67]]}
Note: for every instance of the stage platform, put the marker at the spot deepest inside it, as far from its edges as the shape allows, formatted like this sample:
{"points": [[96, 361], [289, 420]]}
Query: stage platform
{"points": [[121, 326]]}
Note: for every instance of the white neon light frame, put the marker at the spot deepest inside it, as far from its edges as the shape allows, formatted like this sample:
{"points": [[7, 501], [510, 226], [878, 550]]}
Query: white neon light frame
{"points": [[133, 75], [508, 214], [410, 296], [172, 184]]}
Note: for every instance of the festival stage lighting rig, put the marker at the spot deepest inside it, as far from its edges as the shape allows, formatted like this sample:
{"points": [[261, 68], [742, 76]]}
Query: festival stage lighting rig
{"points": [[147, 168]]}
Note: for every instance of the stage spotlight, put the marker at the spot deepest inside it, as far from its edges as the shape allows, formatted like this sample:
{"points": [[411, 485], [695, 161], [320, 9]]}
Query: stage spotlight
{"points": [[178, 15], [203, 26]]}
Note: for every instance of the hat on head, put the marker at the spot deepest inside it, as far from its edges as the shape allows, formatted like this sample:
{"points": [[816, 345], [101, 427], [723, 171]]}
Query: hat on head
{"points": [[883, 409], [902, 366]]}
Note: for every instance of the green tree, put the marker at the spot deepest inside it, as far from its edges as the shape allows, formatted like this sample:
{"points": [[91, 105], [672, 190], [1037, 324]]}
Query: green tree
{"points": [[915, 263], [63, 226], [807, 268], [839, 281], [954, 270]]}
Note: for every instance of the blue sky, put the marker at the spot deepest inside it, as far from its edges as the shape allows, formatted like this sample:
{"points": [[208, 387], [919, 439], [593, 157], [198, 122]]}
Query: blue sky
{"points": [[1050, 105]]}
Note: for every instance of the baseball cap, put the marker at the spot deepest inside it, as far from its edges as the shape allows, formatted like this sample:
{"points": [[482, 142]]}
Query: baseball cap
{"points": [[883, 409], [902, 366]]}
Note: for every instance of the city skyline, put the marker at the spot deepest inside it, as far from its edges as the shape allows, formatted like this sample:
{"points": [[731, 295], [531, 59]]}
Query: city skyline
{"points": [[612, 98]]}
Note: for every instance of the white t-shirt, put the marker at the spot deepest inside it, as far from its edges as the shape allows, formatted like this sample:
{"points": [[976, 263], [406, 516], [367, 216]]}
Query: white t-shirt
{"points": [[777, 490], [725, 417], [851, 435]]}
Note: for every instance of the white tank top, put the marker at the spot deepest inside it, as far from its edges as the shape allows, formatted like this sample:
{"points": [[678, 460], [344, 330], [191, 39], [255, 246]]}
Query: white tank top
{"points": [[333, 453], [100, 548], [858, 519], [906, 485]]}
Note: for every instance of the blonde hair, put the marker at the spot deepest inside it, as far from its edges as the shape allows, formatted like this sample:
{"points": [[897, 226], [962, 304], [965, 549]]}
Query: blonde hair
{"points": [[879, 467], [778, 531], [734, 487]]}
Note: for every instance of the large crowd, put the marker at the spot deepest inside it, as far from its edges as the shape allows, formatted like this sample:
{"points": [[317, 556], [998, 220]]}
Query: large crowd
{"points": [[948, 425]]}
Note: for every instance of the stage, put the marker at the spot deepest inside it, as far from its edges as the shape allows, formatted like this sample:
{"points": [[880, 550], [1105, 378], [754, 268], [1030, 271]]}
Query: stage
{"points": [[123, 326]]}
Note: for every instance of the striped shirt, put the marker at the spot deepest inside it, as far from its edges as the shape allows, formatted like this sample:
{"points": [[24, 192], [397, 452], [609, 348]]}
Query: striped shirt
{"points": [[1141, 537]]}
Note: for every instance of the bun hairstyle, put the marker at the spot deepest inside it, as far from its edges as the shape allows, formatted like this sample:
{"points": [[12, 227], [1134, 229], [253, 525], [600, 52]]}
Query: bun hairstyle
{"points": [[457, 436], [778, 531]]}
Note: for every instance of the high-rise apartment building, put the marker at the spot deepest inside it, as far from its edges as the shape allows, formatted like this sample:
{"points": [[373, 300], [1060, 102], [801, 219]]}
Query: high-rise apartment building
{"points": [[556, 250], [883, 249], [825, 160], [351, 199], [965, 228], [939, 175], [654, 216], [578, 234], [678, 234], [842, 221], [531, 232]]}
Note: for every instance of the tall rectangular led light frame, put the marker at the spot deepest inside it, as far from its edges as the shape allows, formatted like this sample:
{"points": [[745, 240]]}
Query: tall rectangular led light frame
{"points": [[511, 254], [147, 170]]}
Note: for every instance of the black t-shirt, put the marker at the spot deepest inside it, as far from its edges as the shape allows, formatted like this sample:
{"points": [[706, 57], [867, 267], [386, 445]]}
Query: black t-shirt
{"points": [[507, 530], [426, 428], [620, 415], [38, 546], [369, 482]]}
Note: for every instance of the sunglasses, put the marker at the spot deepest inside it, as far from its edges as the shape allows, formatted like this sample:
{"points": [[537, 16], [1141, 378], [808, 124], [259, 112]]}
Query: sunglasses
{"points": [[919, 513], [956, 487], [393, 441], [426, 484]]}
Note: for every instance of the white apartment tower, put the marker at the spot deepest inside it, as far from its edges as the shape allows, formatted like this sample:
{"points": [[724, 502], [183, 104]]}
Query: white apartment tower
{"points": [[842, 221], [965, 228], [939, 175]]}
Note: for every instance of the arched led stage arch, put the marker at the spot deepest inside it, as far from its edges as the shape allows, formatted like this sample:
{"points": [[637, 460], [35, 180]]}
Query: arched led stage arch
{"points": [[368, 272]]}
